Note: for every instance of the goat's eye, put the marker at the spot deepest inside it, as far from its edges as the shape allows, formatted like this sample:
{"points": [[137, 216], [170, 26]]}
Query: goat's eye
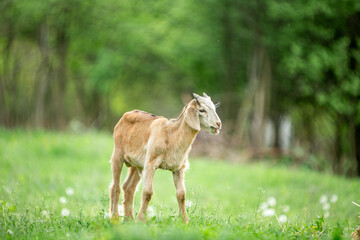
{"points": [[202, 110]]}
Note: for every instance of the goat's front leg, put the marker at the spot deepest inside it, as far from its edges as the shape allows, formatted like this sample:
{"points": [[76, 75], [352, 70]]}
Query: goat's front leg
{"points": [[147, 191], [181, 193]]}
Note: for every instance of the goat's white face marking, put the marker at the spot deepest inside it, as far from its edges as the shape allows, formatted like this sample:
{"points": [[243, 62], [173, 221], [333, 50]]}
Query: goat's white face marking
{"points": [[208, 117]]}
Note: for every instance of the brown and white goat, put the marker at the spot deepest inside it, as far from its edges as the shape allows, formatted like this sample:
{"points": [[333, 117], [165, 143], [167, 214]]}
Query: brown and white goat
{"points": [[145, 142]]}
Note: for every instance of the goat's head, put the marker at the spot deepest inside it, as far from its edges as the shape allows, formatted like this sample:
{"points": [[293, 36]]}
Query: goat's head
{"points": [[203, 114]]}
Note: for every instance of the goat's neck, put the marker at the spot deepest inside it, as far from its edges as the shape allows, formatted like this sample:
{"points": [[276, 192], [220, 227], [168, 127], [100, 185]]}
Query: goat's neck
{"points": [[183, 132]]}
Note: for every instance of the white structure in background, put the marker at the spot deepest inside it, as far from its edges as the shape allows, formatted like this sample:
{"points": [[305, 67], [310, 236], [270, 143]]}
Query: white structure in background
{"points": [[284, 133], [269, 133]]}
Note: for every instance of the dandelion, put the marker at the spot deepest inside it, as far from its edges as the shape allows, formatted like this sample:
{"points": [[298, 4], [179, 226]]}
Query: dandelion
{"points": [[326, 206], [10, 232], [323, 199], [263, 206], [334, 198], [326, 214], [151, 211], [282, 219], [121, 210], [188, 203], [65, 212], [45, 213], [69, 191], [63, 200], [269, 212], [7, 190], [286, 208], [271, 201]]}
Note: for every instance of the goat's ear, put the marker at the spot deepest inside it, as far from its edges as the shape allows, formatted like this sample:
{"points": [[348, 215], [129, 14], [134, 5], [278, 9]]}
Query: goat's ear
{"points": [[192, 118], [196, 98], [195, 95]]}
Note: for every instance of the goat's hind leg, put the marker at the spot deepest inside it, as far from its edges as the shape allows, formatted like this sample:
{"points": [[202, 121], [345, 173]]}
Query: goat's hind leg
{"points": [[129, 188], [116, 166]]}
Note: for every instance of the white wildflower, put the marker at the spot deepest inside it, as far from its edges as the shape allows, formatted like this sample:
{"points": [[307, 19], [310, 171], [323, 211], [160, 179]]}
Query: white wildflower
{"points": [[68, 234], [106, 215], [63, 200], [326, 206], [10, 232], [45, 213], [65, 212], [334, 198], [326, 214], [7, 190], [151, 211], [269, 212], [69, 191], [264, 206], [282, 219], [188, 203], [121, 210], [286, 208], [323, 199], [271, 201]]}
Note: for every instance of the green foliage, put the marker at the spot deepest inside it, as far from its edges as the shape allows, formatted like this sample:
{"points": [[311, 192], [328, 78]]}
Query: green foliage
{"points": [[37, 167], [91, 61], [321, 48]]}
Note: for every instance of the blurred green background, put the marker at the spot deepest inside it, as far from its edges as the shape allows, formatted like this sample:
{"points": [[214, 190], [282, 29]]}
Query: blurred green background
{"points": [[286, 72]]}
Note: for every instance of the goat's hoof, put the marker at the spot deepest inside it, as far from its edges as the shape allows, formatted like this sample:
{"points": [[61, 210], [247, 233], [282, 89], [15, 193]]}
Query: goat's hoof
{"points": [[128, 219], [141, 218], [115, 219], [184, 219]]}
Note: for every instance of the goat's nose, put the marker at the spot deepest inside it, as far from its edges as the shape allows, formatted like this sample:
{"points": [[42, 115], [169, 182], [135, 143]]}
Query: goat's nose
{"points": [[219, 124]]}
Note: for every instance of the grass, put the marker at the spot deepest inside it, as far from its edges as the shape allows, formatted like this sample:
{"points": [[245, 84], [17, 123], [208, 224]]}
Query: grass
{"points": [[37, 167]]}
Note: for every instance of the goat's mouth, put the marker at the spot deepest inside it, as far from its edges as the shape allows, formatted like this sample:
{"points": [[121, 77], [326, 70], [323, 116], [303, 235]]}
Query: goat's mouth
{"points": [[214, 130]]}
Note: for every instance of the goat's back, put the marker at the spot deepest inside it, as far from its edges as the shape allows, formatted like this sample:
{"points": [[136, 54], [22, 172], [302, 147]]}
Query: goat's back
{"points": [[132, 132]]}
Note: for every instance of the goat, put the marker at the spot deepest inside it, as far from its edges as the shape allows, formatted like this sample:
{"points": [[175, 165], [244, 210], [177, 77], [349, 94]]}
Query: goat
{"points": [[145, 142]]}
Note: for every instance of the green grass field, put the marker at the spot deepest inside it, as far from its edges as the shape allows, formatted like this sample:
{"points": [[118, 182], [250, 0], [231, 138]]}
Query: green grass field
{"points": [[45, 175]]}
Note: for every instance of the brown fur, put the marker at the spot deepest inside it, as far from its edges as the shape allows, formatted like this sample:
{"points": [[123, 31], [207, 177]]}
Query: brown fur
{"points": [[145, 143]]}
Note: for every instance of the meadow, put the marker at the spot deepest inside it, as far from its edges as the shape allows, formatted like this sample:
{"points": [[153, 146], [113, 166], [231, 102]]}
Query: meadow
{"points": [[54, 185]]}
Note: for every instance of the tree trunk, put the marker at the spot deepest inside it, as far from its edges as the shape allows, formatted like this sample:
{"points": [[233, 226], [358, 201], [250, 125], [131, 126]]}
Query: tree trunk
{"points": [[260, 73], [353, 33], [357, 148], [338, 150], [12, 92], [276, 121], [247, 103], [5, 76], [44, 79], [275, 115], [61, 47], [258, 110], [229, 103]]}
